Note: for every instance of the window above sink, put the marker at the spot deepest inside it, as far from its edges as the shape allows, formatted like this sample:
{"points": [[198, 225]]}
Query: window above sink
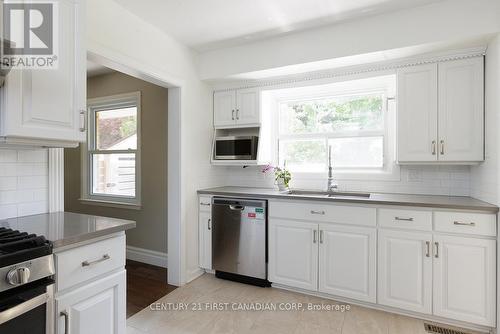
{"points": [[356, 117]]}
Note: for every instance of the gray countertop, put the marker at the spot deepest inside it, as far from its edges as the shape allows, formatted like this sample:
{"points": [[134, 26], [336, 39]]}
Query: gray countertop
{"points": [[430, 201], [66, 228]]}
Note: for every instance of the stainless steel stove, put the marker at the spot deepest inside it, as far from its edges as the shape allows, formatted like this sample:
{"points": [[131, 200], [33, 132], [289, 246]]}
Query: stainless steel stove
{"points": [[26, 283]]}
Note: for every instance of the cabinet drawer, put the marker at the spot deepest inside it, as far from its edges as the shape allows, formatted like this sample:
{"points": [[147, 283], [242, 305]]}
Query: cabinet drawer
{"points": [[468, 223], [405, 219], [322, 212], [205, 203], [80, 264]]}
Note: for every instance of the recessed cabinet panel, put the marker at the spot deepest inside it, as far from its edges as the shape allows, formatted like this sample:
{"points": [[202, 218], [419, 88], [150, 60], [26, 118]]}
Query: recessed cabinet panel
{"points": [[417, 113], [98, 307], [465, 279], [293, 254], [224, 108], [347, 265], [461, 110], [247, 111], [405, 270]]}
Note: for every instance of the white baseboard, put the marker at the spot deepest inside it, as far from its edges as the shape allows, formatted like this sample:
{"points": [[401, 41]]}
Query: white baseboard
{"points": [[147, 256]]}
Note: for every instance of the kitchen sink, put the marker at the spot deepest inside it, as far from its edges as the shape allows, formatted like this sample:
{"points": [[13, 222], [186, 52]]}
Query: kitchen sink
{"points": [[335, 194]]}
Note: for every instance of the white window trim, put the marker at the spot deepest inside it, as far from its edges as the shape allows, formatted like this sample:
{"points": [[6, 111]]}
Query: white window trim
{"points": [[86, 181], [391, 171]]}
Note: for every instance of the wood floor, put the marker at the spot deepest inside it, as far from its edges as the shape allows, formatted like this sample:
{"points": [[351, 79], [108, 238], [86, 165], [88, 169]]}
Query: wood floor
{"points": [[145, 285], [201, 315]]}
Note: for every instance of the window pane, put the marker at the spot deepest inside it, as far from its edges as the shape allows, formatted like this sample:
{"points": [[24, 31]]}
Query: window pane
{"points": [[116, 129], [343, 113], [303, 155], [357, 152], [113, 174]]}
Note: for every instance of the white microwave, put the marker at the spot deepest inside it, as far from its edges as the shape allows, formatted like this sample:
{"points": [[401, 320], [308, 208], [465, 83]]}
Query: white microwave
{"points": [[236, 148]]}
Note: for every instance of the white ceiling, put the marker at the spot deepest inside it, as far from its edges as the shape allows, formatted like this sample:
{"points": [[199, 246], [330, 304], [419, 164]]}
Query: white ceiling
{"points": [[212, 24]]}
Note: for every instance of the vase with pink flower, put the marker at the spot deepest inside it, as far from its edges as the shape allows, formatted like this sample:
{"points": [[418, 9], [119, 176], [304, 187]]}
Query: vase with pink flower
{"points": [[282, 176]]}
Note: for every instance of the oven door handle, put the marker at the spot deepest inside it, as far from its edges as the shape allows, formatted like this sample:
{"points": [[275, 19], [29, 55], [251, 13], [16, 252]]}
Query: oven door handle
{"points": [[22, 308]]}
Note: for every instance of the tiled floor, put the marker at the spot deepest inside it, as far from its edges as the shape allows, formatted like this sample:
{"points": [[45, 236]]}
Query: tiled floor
{"points": [[208, 289], [145, 284]]}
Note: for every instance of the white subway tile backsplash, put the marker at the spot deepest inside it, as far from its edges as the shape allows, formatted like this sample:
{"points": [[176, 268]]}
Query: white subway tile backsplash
{"points": [[32, 182], [431, 180], [8, 155], [23, 182], [26, 209], [8, 183], [8, 211], [32, 156]]}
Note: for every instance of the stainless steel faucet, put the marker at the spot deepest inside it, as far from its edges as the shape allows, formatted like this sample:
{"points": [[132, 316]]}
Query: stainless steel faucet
{"points": [[332, 186]]}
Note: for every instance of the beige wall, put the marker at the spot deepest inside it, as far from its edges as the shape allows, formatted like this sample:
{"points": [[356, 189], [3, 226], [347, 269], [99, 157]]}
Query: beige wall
{"points": [[151, 230]]}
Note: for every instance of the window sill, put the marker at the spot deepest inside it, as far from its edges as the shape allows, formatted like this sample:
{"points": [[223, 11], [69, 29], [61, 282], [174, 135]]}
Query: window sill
{"points": [[111, 204]]}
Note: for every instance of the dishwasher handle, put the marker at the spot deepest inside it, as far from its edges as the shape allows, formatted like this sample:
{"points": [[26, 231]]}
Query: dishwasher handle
{"points": [[236, 207]]}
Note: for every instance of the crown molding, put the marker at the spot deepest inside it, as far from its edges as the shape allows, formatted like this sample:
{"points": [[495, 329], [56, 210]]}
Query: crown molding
{"points": [[384, 66]]}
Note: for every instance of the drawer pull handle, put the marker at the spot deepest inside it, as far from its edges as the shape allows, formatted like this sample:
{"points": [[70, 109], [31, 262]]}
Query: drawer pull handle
{"points": [[314, 236], [436, 255], [321, 236], [464, 224], [313, 212], [404, 219], [103, 258], [428, 249], [206, 204], [208, 224]]}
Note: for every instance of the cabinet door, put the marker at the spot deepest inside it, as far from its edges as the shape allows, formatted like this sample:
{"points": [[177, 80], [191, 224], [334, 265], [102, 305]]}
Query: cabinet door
{"points": [[347, 261], [51, 103], [461, 110], [97, 308], [293, 254], [464, 279], [224, 109], [205, 239], [417, 113], [405, 270], [248, 107]]}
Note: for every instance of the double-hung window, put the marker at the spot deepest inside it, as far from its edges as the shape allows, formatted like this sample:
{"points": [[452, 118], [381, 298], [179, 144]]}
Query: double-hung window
{"points": [[112, 156], [351, 119]]}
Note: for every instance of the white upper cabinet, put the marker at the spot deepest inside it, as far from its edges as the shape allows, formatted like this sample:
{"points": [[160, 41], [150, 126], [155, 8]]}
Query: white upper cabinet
{"points": [[417, 102], [347, 261], [461, 110], [237, 108], [224, 109], [293, 253], [464, 279], [405, 270], [441, 112], [48, 106]]}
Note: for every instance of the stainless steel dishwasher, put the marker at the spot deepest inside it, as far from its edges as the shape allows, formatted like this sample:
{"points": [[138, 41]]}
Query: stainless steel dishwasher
{"points": [[239, 239]]}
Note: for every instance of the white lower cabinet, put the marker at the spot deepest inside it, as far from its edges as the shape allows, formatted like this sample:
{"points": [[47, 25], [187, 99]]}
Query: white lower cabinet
{"points": [[465, 279], [293, 253], [96, 308], [347, 261], [405, 270], [205, 239]]}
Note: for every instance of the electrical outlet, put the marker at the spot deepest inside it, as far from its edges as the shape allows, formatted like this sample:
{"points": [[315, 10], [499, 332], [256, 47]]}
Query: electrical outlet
{"points": [[414, 175]]}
